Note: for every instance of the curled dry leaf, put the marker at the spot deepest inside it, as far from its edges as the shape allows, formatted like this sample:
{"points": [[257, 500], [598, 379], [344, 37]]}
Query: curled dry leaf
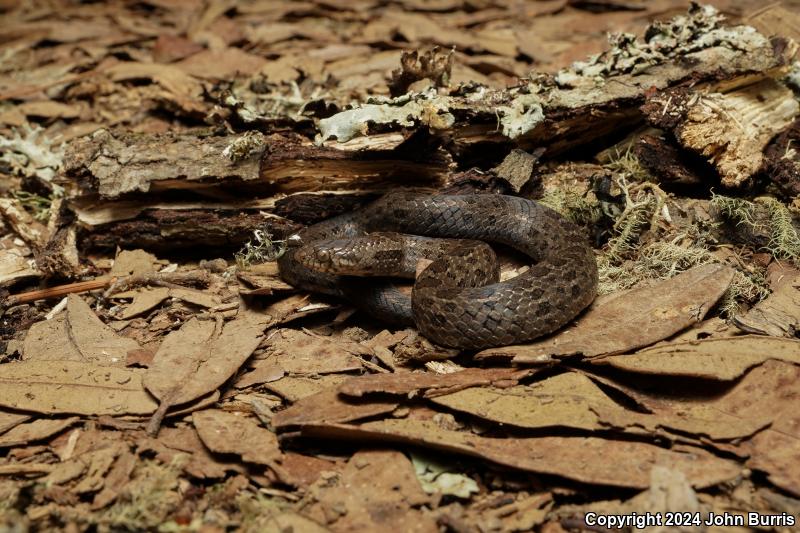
{"points": [[573, 401], [632, 319], [779, 313], [721, 359], [9, 420], [776, 450], [428, 384], [327, 406], [623, 464]]}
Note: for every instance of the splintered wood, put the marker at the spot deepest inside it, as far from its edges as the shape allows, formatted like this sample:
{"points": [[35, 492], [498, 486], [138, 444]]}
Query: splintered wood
{"points": [[156, 373]]}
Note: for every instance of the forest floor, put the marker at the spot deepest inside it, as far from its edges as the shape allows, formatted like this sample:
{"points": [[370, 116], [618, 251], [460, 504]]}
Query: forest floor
{"points": [[156, 373]]}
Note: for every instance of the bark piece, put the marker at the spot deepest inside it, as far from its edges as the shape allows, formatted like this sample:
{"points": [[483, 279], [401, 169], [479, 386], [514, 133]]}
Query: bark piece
{"points": [[673, 166], [588, 100], [639, 317], [71, 387], [170, 226], [782, 160], [731, 130], [293, 164], [624, 464], [121, 163], [517, 168], [720, 359]]}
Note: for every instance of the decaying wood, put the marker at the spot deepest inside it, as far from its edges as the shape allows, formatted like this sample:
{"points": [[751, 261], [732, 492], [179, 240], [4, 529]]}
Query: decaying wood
{"points": [[731, 130], [588, 100]]}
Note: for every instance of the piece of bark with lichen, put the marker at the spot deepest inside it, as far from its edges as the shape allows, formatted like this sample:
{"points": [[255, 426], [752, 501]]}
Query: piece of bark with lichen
{"points": [[114, 164], [589, 101], [731, 130], [123, 165], [782, 160]]}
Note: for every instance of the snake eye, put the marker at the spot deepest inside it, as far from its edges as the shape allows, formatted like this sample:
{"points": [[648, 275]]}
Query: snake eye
{"points": [[323, 255]]}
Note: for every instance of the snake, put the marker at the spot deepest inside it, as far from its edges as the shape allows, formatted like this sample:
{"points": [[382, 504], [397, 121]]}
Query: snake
{"points": [[458, 300]]}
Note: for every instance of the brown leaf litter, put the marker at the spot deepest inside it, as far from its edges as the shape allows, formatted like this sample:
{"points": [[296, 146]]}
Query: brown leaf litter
{"points": [[152, 377]]}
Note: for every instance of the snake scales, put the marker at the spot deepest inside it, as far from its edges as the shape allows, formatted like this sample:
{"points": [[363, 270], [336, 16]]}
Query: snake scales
{"points": [[457, 300]]}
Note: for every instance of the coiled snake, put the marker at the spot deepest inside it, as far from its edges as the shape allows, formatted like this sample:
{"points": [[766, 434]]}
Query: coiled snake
{"points": [[457, 300]]}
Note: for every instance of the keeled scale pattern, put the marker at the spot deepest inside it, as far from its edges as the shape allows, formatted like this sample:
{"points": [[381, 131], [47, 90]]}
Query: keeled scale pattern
{"points": [[446, 308]]}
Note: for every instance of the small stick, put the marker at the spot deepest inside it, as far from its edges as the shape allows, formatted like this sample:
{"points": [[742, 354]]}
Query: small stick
{"points": [[59, 291]]}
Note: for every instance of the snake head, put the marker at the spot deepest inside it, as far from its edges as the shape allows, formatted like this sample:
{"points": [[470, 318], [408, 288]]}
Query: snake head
{"points": [[331, 256]]}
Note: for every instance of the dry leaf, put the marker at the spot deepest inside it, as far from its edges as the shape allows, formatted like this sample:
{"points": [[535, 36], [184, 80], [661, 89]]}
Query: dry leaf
{"points": [[624, 464], [373, 493], [328, 406], [429, 385], [36, 430], [71, 387], [722, 359], [298, 352], [631, 319], [77, 335], [194, 360], [293, 389], [262, 373], [224, 432]]}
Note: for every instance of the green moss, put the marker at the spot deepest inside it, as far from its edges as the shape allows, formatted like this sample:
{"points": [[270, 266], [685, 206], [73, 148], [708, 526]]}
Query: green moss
{"points": [[576, 207], [777, 219], [784, 242], [37, 206], [627, 164], [149, 499]]}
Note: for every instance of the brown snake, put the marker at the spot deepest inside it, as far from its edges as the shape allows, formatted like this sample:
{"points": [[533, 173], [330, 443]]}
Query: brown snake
{"points": [[457, 300]]}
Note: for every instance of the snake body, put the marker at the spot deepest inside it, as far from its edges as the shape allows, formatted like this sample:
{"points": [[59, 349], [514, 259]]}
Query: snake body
{"points": [[457, 300]]}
